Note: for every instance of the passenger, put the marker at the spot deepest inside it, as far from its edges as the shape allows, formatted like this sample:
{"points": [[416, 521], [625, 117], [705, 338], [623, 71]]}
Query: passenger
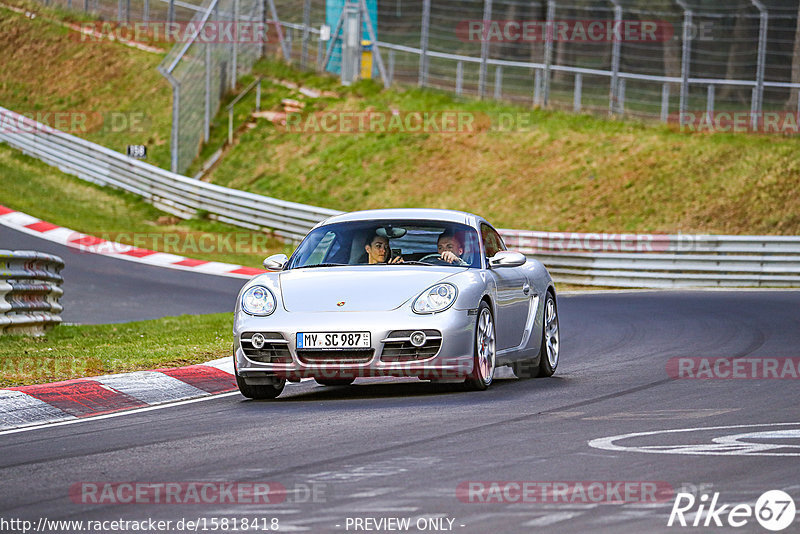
{"points": [[378, 251]]}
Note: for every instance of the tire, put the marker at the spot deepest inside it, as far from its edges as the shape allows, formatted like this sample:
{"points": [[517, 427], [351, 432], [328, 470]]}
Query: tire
{"points": [[548, 354], [551, 338], [260, 391], [334, 381], [485, 356]]}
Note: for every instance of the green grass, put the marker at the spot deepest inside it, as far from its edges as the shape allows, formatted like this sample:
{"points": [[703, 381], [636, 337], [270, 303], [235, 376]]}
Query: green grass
{"points": [[564, 171], [113, 90], [31, 186], [89, 350]]}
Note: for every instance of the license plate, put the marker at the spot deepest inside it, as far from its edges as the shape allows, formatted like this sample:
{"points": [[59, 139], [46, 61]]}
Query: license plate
{"points": [[333, 340]]}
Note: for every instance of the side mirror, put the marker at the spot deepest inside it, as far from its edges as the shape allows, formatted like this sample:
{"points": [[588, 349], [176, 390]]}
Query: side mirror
{"points": [[507, 258], [276, 262]]}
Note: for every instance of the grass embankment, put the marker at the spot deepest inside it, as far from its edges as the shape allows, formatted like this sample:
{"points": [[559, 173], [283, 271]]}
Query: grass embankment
{"points": [[108, 93], [90, 350], [31, 186], [562, 172]]}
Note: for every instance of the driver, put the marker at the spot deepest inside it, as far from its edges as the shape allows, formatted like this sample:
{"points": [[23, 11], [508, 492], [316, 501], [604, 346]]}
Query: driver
{"points": [[450, 246], [378, 251]]}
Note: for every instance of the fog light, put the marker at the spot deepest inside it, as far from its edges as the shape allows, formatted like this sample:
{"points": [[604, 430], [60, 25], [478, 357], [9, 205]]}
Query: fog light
{"points": [[418, 338], [257, 340]]}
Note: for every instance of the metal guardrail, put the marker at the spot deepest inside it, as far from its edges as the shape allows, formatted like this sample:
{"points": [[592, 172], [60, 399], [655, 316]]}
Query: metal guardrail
{"points": [[30, 286], [663, 261], [171, 192], [616, 260]]}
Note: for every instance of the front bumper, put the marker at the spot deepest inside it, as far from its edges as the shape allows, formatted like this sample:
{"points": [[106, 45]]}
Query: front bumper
{"points": [[453, 360]]}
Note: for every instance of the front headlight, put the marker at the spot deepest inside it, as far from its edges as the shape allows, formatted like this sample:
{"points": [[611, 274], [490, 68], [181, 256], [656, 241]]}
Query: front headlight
{"points": [[435, 299], [258, 300]]}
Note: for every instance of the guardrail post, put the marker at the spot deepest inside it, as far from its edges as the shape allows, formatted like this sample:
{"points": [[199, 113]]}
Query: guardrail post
{"points": [[548, 53], [487, 17], [306, 33], [758, 96], [258, 95], [686, 60], [460, 78], [498, 82], [171, 11], [665, 102], [320, 53], [146, 12], [621, 96], [537, 87], [423, 43], [576, 98], [613, 106]]}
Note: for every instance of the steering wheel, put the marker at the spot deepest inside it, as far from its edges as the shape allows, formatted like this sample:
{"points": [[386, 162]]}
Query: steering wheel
{"points": [[438, 257]]}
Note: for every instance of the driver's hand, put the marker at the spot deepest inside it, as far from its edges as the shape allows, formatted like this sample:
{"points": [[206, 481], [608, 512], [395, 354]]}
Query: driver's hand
{"points": [[449, 257], [397, 259]]}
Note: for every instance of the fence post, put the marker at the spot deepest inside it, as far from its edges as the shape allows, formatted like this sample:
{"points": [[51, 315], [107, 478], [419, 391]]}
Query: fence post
{"points": [[665, 102], [710, 101], [498, 82], [171, 11], [176, 115], [235, 47], [146, 12], [487, 17], [391, 66], [306, 33], [287, 54], [686, 60], [85, 6], [320, 53], [258, 95], [537, 87], [120, 14], [615, 52], [207, 103], [758, 96], [621, 95], [230, 125], [548, 53], [423, 43], [576, 98], [459, 78]]}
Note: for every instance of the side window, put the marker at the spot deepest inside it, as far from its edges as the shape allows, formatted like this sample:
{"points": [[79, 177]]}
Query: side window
{"points": [[317, 256], [492, 241]]}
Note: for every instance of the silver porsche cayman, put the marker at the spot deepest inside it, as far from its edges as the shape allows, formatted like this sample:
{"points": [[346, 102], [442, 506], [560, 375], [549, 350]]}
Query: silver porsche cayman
{"points": [[432, 294]]}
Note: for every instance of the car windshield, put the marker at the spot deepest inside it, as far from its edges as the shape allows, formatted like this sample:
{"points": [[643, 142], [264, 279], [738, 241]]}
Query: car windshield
{"points": [[389, 242]]}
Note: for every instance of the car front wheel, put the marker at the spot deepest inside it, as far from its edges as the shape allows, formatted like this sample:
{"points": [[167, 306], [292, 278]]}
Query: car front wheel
{"points": [[261, 391], [485, 350]]}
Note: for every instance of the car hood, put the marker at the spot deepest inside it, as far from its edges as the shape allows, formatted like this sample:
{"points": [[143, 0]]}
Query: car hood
{"points": [[359, 288]]}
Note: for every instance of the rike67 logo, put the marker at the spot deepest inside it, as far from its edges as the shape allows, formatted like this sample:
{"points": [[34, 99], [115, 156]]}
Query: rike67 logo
{"points": [[774, 510]]}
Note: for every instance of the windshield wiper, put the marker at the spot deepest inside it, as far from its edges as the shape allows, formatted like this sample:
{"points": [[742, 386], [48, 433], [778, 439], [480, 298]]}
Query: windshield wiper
{"points": [[410, 262]]}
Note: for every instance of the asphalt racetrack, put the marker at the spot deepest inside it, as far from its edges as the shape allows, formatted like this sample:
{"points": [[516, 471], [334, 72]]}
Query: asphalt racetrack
{"points": [[370, 456], [99, 289]]}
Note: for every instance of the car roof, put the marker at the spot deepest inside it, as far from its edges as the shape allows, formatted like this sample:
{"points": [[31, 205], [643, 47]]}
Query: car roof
{"points": [[405, 213]]}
